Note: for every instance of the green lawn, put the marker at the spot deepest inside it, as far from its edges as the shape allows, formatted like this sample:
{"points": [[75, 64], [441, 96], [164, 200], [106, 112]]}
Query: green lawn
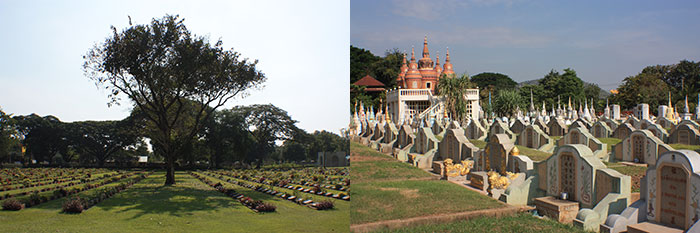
{"points": [[685, 147], [610, 141], [518, 223], [533, 154], [635, 172], [188, 206], [383, 190], [478, 143]]}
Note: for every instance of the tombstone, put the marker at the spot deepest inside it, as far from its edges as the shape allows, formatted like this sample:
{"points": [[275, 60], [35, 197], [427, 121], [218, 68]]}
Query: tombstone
{"points": [[623, 131], [685, 134], [437, 127], [390, 138], [641, 146], [499, 127], [615, 112], [454, 125], [543, 126], [378, 132], [575, 170], [583, 122], [533, 137], [518, 126], [658, 131], [424, 149], [455, 146], [582, 136], [665, 122], [332, 159], [577, 124], [475, 131], [405, 137], [612, 124], [495, 155], [557, 127], [425, 141], [632, 121], [669, 196], [641, 111], [601, 130]]}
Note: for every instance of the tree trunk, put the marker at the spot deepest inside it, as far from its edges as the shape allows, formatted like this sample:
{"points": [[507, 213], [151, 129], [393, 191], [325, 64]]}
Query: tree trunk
{"points": [[170, 170]]}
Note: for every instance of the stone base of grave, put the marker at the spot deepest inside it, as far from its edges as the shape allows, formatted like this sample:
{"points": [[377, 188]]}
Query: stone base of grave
{"points": [[562, 210], [647, 227], [479, 180]]}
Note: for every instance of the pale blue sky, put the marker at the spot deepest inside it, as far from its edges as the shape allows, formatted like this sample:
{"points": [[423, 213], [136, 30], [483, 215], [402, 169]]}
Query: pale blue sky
{"points": [[302, 47], [604, 41]]}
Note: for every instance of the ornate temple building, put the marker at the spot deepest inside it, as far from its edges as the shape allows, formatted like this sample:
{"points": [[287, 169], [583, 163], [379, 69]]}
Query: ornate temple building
{"points": [[414, 98], [425, 73]]}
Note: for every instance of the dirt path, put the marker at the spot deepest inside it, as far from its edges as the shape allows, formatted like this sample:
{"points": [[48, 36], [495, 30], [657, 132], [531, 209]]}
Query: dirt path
{"points": [[438, 218]]}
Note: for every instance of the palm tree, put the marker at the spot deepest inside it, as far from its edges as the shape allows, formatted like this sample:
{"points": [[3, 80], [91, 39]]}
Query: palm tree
{"points": [[453, 91], [506, 102]]}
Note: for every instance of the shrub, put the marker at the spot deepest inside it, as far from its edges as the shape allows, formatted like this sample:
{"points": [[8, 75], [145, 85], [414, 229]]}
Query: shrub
{"points": [[265, 207], [74, 205], [35, 198], [12, 204], [324, 205]]}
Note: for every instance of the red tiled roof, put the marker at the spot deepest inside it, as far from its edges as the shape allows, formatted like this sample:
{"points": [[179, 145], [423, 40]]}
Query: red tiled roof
{"points": [[369, 81]]}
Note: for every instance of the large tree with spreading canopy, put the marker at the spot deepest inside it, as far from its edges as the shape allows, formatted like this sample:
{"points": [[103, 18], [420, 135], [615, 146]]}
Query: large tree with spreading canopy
{"points": [[159, 67]]}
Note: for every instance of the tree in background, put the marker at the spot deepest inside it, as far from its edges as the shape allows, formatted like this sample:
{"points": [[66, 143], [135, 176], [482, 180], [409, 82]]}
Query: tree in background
{"points": [[227, 137], [507, 102], [6, 140], [453, 90], [99, 140], [384, 69], [267, 124], [489, 82], [642, 88], [44, 137], [161, 65]]}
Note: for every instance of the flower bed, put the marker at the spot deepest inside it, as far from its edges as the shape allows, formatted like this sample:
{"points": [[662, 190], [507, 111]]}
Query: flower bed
{"points": [[295, 197], [315, 189], [255, 205]]}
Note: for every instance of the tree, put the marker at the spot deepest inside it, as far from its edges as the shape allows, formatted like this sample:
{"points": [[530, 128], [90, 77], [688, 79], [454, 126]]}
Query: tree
{"points": [[267, 124], [294, 151], [492, 82], [6, 128], [361, 61], [227, 137], [642, 88], [100, 140], [161, 65], [507, 102], [565, 85], [44, 137], [453, 90]]}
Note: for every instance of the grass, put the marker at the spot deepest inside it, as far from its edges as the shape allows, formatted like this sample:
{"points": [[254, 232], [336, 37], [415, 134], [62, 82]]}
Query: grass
{"points": [[376, 201], [478, 143], [610, 141], [188, 206], [518, 223], [384, 190], [635, 172], [685, 147], [533, 154]]}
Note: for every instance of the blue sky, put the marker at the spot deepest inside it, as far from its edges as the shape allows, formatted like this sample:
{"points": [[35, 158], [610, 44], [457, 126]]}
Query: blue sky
{"points": [[302, 47], [604, 41]]}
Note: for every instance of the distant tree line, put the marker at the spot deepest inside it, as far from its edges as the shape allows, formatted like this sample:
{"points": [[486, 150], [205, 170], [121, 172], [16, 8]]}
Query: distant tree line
{"points": [[245, 134], [653, 84]]}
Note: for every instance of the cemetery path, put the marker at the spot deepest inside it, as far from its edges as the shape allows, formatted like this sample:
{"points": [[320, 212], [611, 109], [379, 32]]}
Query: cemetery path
{"points": [[437, 218]]}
